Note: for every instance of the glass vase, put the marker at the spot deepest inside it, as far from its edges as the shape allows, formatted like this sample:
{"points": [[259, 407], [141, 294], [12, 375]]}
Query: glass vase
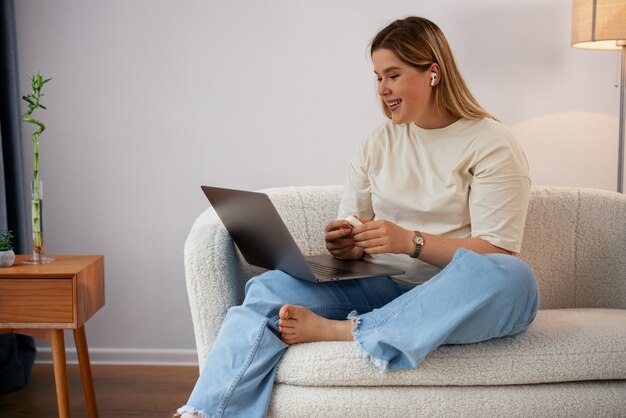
{"points": [[37, 217]]}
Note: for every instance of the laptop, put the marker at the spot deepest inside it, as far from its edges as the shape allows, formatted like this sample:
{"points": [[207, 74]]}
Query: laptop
{"points": [[257, 229]]}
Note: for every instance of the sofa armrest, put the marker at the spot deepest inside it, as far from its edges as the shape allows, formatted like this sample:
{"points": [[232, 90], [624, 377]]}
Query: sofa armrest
{"points": [[574, 241], [215, 276], [216, 273]]}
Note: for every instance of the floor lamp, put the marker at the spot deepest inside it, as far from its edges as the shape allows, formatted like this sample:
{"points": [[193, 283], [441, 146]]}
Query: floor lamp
{"points": [[601, 24]]}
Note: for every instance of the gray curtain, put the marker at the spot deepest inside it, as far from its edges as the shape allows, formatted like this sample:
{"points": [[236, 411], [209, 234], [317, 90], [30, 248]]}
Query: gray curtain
{"points": [[13, 213], [17, 352]]}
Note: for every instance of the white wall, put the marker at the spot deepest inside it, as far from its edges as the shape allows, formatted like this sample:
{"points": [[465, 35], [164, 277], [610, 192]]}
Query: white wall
{"points": [[152, 98]]}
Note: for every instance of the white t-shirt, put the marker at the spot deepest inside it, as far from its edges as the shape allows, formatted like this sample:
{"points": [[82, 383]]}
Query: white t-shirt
{"points": [[469, 179]]}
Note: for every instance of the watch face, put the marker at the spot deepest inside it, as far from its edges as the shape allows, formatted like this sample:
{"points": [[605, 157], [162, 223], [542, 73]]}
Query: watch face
{"points": [[418, 240]]}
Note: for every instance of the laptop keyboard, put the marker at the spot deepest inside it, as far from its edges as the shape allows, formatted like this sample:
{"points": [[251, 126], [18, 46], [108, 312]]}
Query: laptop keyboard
{"points": [[326, 271]]}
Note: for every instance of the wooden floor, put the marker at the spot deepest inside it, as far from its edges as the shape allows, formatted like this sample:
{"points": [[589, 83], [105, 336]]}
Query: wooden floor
{"points": [[121, 391]]}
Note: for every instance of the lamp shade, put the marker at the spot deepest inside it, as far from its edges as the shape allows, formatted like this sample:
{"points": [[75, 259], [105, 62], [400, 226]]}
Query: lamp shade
{"points": [[599, 24]]}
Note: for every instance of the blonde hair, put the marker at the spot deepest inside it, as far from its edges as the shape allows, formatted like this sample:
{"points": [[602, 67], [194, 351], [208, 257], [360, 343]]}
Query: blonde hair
{"points": [[418, 42]]}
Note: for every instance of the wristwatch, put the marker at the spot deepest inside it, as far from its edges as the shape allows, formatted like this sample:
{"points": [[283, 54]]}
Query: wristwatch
{"points": [[418, 241]]}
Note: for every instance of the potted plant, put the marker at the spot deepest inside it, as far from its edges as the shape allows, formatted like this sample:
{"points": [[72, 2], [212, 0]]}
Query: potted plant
{"points": [[7, 256]]}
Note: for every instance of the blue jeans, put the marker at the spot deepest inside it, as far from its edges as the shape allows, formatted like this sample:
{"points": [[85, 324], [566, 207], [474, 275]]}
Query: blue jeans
{"points": [[475, 298]]}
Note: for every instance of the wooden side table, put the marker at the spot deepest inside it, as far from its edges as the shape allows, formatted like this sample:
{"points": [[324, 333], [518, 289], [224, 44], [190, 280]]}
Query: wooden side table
{"points": [[43, 300]]}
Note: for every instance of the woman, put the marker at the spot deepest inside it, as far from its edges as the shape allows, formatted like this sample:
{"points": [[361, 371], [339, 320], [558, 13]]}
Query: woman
{"points": [[442, 191]]}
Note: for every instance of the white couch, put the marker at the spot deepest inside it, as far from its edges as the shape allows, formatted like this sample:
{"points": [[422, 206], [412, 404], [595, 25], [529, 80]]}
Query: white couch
{"points": [[571, 362]]}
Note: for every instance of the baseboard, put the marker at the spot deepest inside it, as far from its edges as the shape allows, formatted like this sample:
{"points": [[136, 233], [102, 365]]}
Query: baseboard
{"points": [[139, 356]]}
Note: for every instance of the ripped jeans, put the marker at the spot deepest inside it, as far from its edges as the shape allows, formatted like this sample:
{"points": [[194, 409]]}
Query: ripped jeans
{"points": [[474, 298]]}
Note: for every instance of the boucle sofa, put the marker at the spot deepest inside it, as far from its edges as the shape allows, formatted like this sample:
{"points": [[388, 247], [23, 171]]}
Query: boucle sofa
{"points": [[571, 362]]}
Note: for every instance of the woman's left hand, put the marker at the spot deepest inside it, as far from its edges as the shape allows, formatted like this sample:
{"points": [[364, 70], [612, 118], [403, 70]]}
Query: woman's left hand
{"points": [[377, 237]]}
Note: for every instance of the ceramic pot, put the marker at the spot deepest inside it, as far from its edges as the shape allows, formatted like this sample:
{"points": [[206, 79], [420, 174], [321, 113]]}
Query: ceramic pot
{"points": [[7, 258]]}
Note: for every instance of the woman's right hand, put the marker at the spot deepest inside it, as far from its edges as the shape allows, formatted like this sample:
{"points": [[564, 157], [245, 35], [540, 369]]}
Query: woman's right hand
{"points": [[339, 240]]}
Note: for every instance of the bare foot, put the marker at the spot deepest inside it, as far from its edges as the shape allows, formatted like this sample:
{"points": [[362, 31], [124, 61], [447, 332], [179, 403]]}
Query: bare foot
{"points": [[298, 324]]}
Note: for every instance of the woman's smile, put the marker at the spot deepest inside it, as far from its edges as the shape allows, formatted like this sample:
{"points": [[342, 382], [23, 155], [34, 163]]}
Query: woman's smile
{"points": [[393, 104]]}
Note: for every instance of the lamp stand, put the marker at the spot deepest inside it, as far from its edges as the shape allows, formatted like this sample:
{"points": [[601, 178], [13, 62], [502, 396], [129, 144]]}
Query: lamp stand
{"points": [[622, 120]]}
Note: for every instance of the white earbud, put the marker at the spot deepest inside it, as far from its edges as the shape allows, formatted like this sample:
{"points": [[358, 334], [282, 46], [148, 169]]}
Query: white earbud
{"points": [[433, 77]]}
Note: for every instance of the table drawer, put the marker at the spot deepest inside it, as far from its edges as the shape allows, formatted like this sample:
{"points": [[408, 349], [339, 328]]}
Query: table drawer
{"points": [[36, 301]]}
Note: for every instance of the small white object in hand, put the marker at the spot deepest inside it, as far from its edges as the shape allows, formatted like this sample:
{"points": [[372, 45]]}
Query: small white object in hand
{"points": [[354, 221]]}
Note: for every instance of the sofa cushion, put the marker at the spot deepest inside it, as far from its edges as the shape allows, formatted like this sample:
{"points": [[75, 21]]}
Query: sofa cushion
{"points": [[561, 345], [559, 400]]}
